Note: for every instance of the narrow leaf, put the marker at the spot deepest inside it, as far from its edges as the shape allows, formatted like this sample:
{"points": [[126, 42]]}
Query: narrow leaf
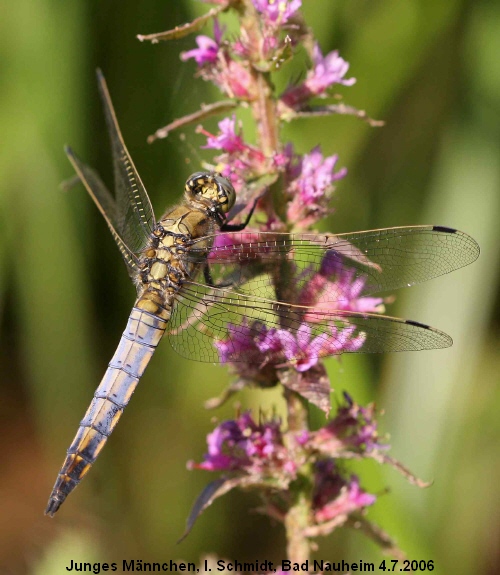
{"points": [[184, 30], [211, 492], [206, 111]]}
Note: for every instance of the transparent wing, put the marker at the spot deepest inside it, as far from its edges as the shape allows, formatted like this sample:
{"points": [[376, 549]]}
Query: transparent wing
{"points": [[379, 260], [106, 205], [134, 213], [217, 325]]}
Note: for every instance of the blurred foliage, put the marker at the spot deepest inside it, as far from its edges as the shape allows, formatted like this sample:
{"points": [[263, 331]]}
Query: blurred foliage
{"points": [[430, 70]]}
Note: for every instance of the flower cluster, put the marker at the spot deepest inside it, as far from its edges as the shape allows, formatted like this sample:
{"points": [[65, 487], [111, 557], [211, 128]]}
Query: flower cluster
{"points": [[326, 71], [336, 281], [310, 180], [276, 12], [336, 496], [274, 17], [218, 64], [239, 160], [231, 65], [244, 446], [261, 454], [256, 344], [352, 430], [256, 347]]}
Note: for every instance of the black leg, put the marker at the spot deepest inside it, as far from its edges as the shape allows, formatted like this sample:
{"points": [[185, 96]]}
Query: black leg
{"points": [[209, 279], [208, 276], [243, 225]]}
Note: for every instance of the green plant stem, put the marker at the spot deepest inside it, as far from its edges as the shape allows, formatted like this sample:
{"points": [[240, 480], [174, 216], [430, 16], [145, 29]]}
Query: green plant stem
{"points": [[263, 105], [298, 517], [264, 111], [297, 413]]}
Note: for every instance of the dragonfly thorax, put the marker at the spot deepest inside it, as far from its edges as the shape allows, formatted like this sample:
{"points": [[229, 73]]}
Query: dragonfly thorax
{"points": [[165, 263], [162, 262]]}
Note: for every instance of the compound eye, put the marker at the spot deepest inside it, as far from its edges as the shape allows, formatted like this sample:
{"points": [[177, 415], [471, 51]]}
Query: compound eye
{"points": [[197, 182], [226, 194]]}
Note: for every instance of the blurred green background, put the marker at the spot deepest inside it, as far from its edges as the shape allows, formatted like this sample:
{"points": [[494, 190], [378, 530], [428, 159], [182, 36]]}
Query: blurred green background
{"points": [[431, 71]]}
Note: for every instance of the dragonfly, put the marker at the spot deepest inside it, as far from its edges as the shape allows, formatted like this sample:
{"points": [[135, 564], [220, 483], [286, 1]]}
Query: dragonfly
{"points": [[210, 284]]}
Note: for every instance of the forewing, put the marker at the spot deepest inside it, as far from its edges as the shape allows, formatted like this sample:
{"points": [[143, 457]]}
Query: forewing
{"points": [[382, 260], [135, 216], [204, 315], [106, 205]]}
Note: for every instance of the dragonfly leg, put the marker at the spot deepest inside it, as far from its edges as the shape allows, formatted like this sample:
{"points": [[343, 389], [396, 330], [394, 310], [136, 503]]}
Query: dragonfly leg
{"points": [[209, 280], [243, 225]]}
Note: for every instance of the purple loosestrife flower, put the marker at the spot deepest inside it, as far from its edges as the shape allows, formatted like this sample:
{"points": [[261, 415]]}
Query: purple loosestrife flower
{"points": [[304, 351], [261, 455], [310, 182], [327, 70], [353, 429], [274, 16], [243, 446], [247, 341], [315, 175], [277, 12], [227, 140], [255, 344], [218, 65], [334, 497], [235, 80], [206, 53], [239, 161], [248, 349], [335, 282], [208, 48]]}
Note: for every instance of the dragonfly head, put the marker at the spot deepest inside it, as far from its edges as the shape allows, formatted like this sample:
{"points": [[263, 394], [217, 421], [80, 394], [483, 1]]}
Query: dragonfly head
{"points": [[212, 190]]}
